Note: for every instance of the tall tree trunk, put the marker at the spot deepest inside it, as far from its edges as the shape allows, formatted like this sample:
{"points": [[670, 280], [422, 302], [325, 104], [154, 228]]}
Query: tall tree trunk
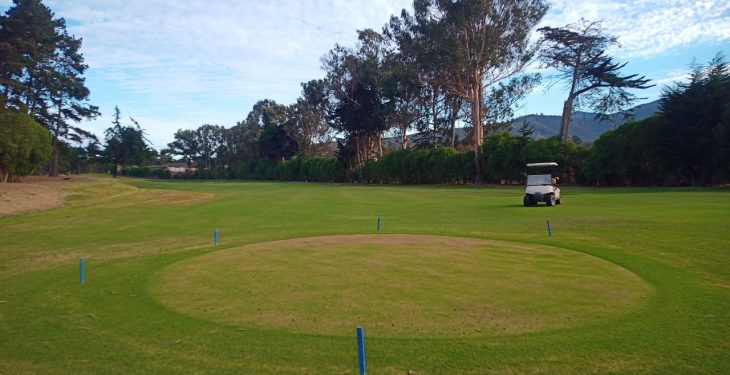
{"points": [[476, 118], [56, 135], [455, 106], [565, 119], [434, 118], [53, 167], [380, 145], [358, 150], [403, 138]]}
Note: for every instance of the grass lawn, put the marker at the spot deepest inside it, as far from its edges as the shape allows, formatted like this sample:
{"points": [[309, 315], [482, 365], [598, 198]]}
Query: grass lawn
{"points": [[459, 280]]}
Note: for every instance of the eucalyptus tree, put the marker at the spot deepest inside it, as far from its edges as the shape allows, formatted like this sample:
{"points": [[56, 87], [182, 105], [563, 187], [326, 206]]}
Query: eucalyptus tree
{"points": [[242, 140], [402, 93], [578, 52], [355, 86], [308, 124], [476, 44], [500, 102], [264, 129], [210, 141], [186, 145], [415, 87], [203, 146]]}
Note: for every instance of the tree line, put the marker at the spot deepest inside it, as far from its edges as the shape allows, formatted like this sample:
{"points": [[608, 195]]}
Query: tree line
{"points": [[387, 109], [686, 144], [443, 65], [43, 98]]}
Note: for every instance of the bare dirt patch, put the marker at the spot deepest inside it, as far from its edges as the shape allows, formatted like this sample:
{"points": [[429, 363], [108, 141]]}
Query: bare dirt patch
{"points": [[36, 193], [82, 198]]}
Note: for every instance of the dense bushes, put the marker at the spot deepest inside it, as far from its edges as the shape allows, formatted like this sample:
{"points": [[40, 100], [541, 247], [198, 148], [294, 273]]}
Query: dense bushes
{"points": [[146, 172], [419, 166], [24, 145], [645, 153], [294, 169], [504, 156], [629, 155], [636, 153]]}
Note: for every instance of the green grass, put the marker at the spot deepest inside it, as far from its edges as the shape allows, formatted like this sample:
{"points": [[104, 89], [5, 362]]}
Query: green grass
{"points": [[400, 286], [139, 313]]}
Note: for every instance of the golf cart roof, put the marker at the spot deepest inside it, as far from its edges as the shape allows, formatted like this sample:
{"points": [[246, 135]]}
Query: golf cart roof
{"points": [[548, 164]]}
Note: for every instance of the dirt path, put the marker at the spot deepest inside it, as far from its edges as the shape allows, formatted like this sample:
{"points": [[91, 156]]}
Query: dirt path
{"points": [[35, 193]]}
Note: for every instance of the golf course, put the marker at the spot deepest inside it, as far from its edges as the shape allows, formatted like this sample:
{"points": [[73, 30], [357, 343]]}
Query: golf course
{"points": [[443, 279]]}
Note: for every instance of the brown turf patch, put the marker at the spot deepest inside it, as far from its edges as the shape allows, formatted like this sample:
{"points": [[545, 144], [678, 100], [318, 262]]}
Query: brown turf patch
{"points": [[79, 193], [32, 196], [400, 285]]}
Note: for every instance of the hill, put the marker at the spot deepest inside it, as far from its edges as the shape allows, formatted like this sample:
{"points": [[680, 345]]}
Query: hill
{"points": [[585, 125]]}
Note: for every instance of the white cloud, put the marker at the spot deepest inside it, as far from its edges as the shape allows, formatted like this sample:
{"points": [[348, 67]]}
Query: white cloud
{"points": [[649, 27], [670, 77], [186, 57], [178, 64]]}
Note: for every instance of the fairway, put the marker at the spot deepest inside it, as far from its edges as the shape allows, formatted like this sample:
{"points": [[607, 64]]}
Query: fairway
{"points": [[458, 280]]}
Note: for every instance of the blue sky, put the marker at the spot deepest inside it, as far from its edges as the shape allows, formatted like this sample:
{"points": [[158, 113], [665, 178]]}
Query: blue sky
{"points": [[175, 64]]}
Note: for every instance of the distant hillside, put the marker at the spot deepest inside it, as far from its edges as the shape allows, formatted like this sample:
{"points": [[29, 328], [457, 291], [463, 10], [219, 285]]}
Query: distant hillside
{"points": [[584, 124]]}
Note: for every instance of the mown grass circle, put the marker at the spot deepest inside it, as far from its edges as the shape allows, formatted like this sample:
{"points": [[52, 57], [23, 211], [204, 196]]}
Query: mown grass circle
{"points": [[400, 286]]}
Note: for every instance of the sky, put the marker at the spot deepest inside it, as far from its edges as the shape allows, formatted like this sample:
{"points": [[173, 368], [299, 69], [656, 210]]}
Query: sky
{"points": [[174, 64]]}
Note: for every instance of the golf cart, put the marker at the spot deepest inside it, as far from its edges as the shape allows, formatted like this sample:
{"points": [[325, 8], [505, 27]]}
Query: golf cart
{"points": [[541, 187]]}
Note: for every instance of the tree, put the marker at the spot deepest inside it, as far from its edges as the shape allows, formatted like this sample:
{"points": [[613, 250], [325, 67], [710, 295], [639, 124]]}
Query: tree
{"points": [[354, 83], [308, 123], [242, 140], [413, 88], [476, 44], [578, 52], [27, 43], [68, 96], [24, 145], [697, 117], [42, 70], [631, 155], [125, 144], [275, 143], [210, 141], [186, 145]]}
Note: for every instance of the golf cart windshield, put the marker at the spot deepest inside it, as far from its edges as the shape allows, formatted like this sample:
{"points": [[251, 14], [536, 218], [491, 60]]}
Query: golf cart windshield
{"points": [[538, 179]]}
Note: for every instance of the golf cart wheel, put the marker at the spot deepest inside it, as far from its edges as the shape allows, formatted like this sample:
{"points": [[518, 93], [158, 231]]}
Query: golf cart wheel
{"points": [[526, 200], [550, 200]]}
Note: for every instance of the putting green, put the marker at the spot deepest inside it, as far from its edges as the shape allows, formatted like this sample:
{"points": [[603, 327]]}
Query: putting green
{"points": [[400, 286]]}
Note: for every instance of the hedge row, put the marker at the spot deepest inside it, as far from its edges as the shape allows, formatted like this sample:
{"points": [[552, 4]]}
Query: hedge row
{"points": [[419, 166], [503, 156]]}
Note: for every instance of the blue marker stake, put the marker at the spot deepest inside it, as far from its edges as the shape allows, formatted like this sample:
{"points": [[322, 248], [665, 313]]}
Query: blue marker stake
{"points": [[81, 270], [377, 225], [215, 237], [550, 229], [361, 350]]}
